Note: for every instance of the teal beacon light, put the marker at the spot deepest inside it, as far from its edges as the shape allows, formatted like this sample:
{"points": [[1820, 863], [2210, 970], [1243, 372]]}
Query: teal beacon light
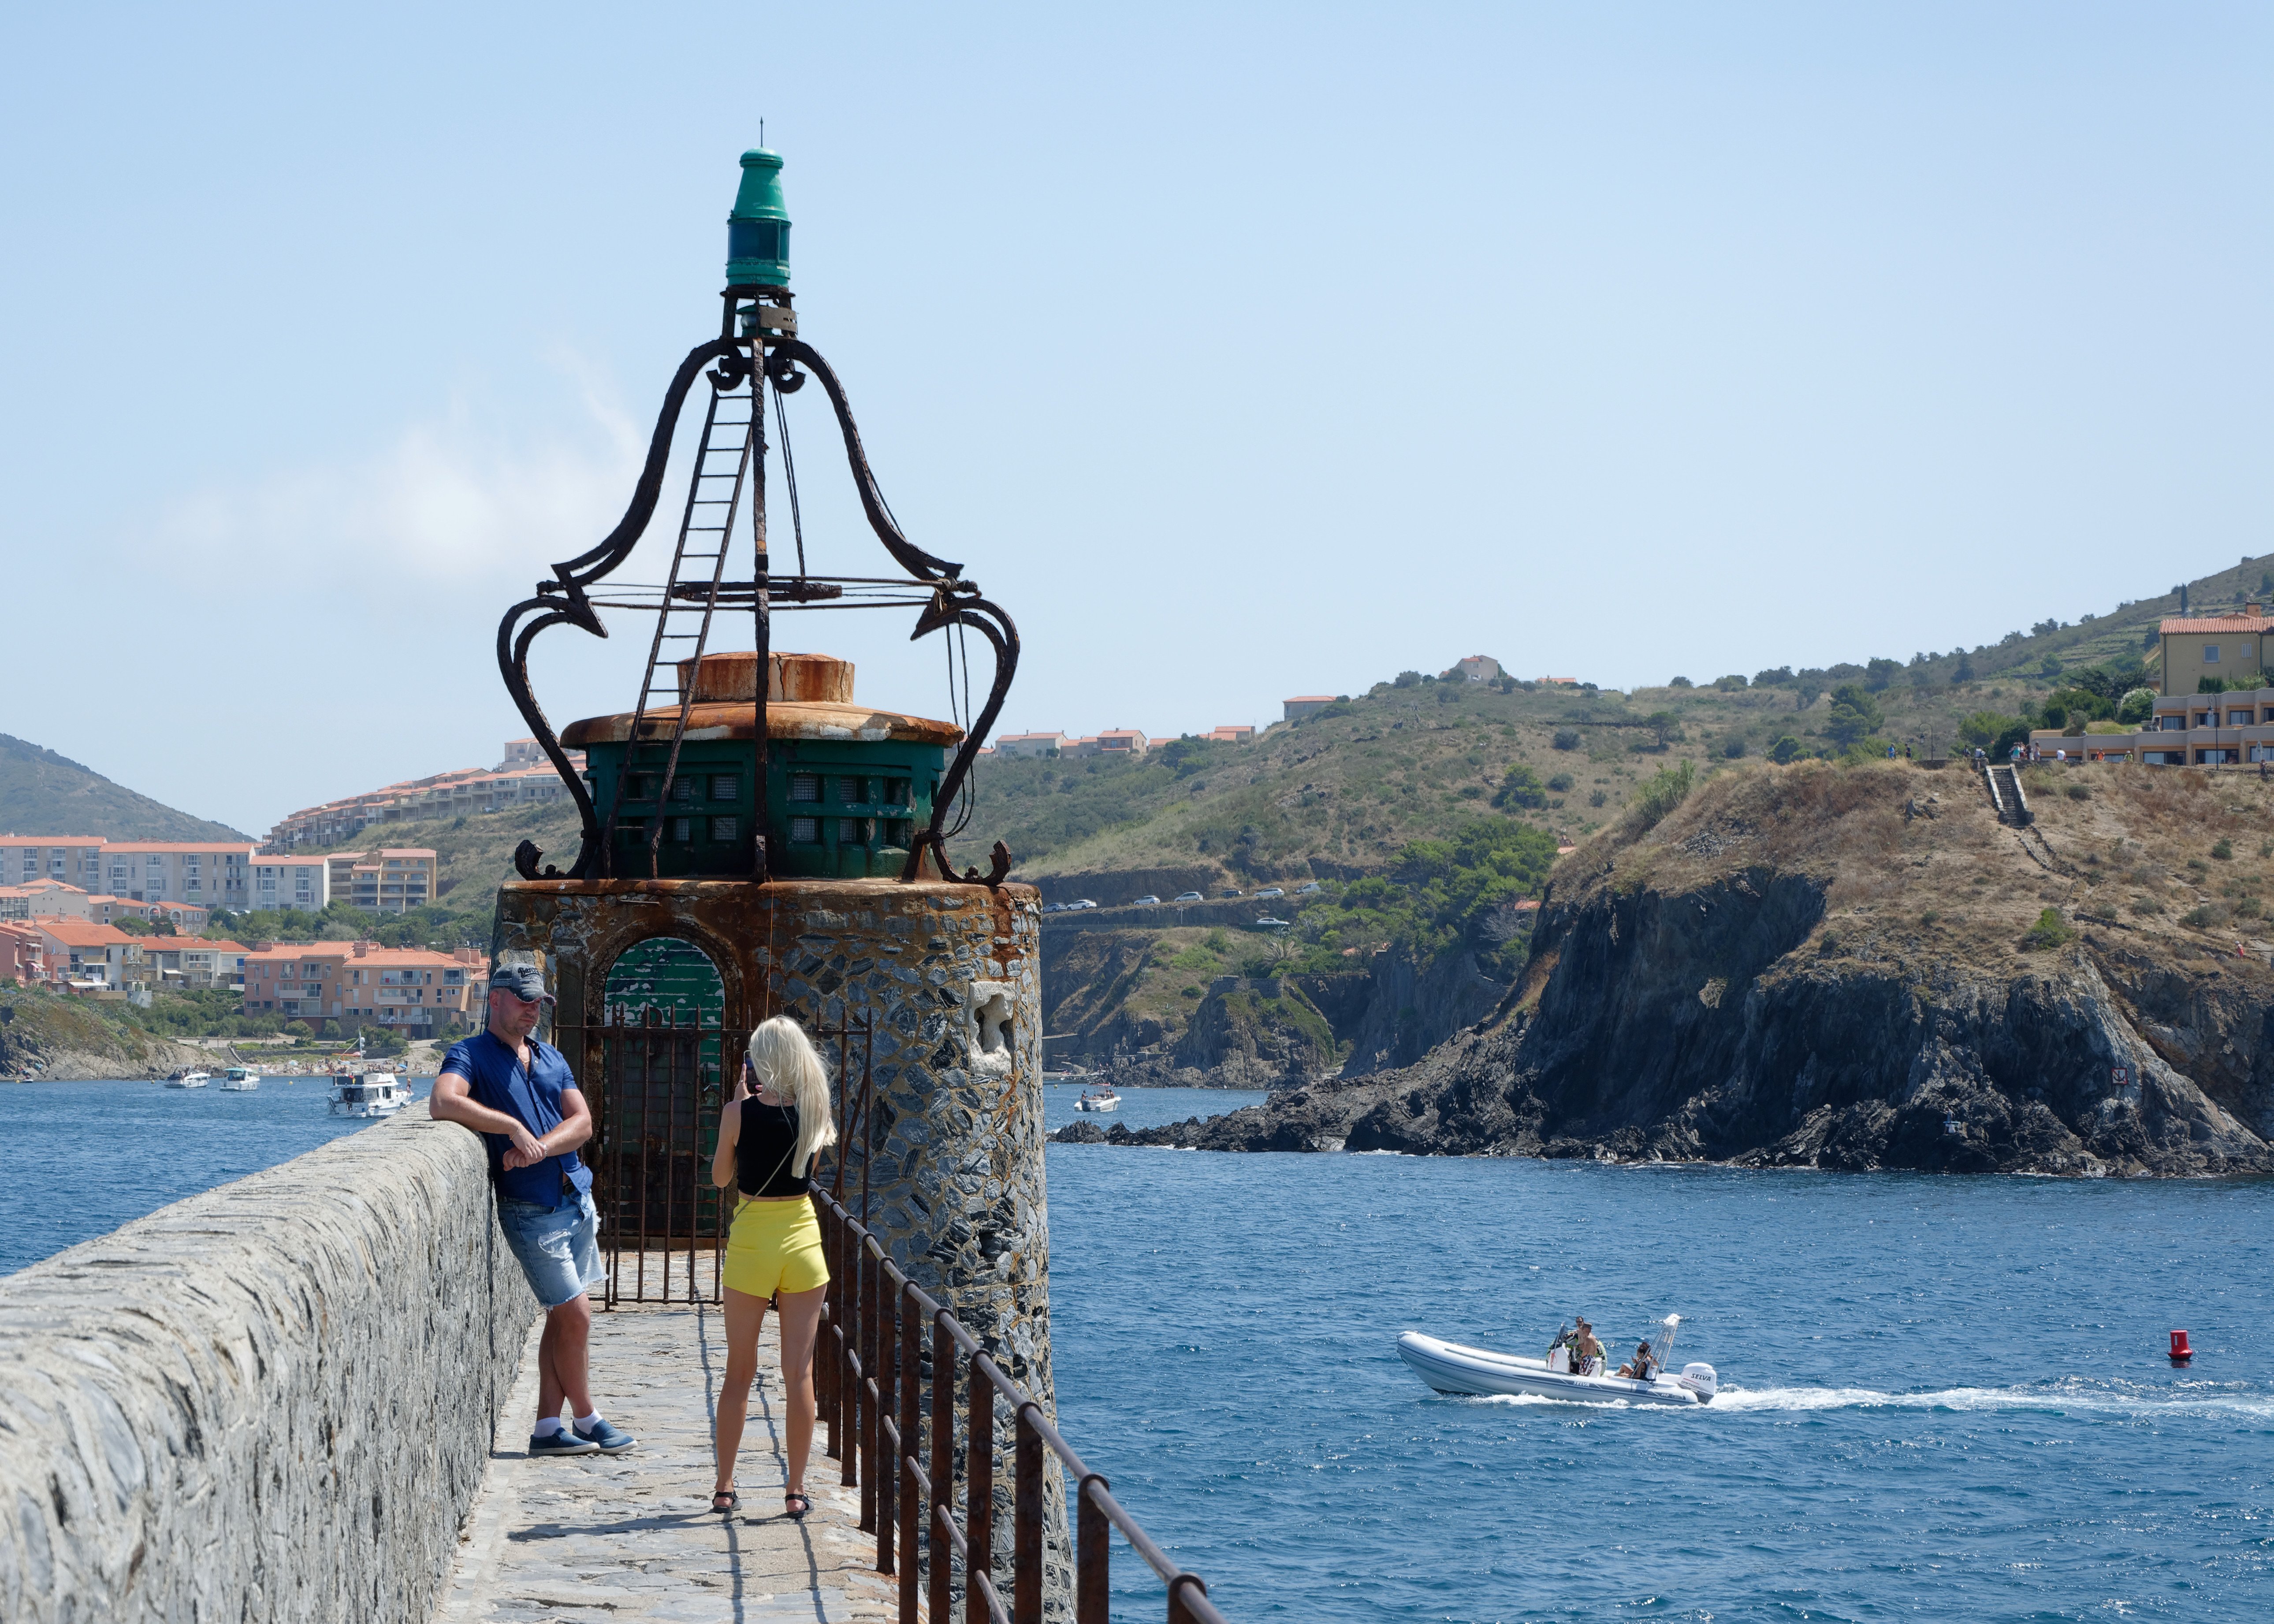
{"points": [[758, 232]]}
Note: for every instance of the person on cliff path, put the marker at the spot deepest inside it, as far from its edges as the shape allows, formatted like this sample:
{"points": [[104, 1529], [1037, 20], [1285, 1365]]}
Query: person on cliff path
{"points": [[770, 1135], [519, 1094]]}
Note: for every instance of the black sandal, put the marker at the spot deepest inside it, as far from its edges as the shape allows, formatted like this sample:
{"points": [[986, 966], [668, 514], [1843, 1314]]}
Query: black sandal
{"points": [[802, 1504], [733, 1501]]}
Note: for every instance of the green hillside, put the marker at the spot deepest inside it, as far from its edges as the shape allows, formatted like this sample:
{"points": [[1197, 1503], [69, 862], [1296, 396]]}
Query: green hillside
{"points": [[44, 794], [1342, 793]]}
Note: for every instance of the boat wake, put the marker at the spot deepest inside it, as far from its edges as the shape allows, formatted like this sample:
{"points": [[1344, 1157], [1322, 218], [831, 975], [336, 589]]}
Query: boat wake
{"points": [[2233, 1400]]}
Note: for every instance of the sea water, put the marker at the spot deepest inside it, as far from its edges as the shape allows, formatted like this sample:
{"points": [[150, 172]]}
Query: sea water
{"points": [[83, 1158], [1941, 1397]]}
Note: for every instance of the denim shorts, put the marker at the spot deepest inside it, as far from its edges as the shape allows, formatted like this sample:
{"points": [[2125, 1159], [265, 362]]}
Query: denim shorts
{"points": [[558, 1248]]}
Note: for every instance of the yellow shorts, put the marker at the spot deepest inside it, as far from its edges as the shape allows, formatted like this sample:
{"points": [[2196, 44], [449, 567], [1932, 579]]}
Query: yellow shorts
{"points": [[775, 1246]]}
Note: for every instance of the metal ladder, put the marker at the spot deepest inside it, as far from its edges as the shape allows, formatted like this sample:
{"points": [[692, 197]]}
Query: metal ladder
{"points": [[714, 495]]}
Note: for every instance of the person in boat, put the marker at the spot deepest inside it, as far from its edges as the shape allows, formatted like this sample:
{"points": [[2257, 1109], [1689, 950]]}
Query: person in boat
{"points": [[1586, 1352], [771, 1135], [1642, 1366]]}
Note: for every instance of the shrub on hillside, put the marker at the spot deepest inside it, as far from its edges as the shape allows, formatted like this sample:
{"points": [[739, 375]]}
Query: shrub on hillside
{"points": [[1787, 750], [1663, 791], [2049, 932], [2222, 848], [1855, 715], [1733, 746], [1566, 739], [1729, 684], [1561, 782], [1680, 682], [1521, 788]]}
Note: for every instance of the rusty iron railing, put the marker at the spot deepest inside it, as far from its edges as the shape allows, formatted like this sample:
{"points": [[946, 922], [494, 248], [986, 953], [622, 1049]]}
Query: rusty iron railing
{"points": [[870, 1373]]}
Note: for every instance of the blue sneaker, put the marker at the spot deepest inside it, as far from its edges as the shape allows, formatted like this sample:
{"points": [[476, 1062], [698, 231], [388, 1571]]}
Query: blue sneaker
{"points": [[607, 1439], [560, 1443]]}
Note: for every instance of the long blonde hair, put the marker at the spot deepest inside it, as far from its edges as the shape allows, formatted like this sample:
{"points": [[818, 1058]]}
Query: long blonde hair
{"points": [[783, 1056]]}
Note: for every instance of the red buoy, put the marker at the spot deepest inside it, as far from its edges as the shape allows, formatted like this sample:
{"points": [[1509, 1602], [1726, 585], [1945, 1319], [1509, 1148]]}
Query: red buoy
{"points": [[2180, 1352]]}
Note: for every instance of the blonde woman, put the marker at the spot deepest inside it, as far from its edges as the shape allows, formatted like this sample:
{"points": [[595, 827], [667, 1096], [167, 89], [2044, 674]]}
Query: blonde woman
{"points": [[770, 1135]]}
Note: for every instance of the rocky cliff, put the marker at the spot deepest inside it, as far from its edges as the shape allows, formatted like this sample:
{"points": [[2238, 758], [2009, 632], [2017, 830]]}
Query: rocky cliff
{"points": [[1860, 967]]}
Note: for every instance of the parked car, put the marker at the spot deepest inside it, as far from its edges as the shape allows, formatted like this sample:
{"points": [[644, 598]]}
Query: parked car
{"points": [[1190, 896], [1234, 891], [1147, 902], [1080, 902], [1307, 888], [1054, 907], [1269, 923], [1271, 891]]}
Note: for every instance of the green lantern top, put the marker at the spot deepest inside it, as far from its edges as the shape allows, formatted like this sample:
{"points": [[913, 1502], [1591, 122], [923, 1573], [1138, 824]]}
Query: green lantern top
{"points": [[758, 232]]}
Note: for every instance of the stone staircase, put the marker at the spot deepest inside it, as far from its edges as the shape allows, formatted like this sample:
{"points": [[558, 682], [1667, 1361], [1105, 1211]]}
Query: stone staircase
{"points": [[2007, 797]]}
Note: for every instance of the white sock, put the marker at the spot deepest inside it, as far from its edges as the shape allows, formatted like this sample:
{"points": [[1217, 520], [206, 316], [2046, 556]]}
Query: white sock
{"points": [[548, 1426], [587, 1423]]}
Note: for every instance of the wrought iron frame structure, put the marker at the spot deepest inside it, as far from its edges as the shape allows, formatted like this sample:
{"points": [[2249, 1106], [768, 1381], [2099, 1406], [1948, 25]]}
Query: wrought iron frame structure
{"points": [[947, 599]]}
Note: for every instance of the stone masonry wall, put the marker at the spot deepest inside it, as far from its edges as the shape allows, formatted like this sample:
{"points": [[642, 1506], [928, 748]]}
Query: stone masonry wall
{"points": [[948, 978], [270, 1402]]}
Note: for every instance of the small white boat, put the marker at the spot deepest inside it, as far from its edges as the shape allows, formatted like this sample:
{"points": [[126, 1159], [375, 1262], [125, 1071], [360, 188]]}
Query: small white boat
{"points": [[1104, 1099], [189, 1080], [373, 1094], [1450, 1367], [240, 1080]]}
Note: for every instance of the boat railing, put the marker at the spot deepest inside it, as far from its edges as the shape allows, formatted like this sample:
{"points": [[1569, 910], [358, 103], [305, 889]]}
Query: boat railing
{"points": [[870, 1374]]}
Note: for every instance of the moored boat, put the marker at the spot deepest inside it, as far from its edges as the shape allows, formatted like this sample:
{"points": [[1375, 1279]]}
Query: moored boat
{"points": [[240, 1080], [371, 1094], [189, 1080], [1452, 1367]]}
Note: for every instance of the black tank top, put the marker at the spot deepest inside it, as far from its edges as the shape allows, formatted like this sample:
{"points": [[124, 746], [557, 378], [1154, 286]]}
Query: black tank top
{"points": [[764, 1149]]}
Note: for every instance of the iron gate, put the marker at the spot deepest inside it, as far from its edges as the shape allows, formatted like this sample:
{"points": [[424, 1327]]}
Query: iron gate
{"points": [[664, 1074]]}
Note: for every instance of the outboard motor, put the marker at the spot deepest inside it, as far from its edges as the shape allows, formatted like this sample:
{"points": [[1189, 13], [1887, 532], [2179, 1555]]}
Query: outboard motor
{"points": [[1700, 1379]]}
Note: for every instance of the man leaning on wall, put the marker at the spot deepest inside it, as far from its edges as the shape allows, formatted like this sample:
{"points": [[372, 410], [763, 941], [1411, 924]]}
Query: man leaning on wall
{"points": [[519, 1094]]}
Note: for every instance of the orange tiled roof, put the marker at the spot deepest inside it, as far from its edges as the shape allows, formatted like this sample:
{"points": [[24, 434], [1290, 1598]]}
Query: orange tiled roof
{"points": [[2219, 623], [78, 932]]}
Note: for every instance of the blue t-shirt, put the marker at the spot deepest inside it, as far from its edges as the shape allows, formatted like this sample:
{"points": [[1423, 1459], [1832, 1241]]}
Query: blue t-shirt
{"points": [[496, 1077]]}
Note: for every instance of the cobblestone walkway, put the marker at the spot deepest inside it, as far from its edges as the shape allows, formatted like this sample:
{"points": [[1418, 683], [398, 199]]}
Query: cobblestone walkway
{"points": [[631, 1536]]}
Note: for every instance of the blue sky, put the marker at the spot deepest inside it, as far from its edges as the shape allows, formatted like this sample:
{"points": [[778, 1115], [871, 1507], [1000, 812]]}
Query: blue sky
{"points": [[1239, 351]]}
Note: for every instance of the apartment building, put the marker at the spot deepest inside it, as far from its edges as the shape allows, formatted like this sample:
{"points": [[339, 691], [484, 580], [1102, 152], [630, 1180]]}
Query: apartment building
{"points": [[22, 955], [192, 963], [85, 955], [344, 986], [2236, 649], [302, 884], [1024, 745], [386, 880], [2185, 730], [75, 860], [526, 780], [207, 874], [1234, 733]]}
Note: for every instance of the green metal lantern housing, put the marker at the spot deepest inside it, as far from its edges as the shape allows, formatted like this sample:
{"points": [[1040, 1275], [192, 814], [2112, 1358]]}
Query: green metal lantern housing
{"points": [[847, 786], [758, 232]]}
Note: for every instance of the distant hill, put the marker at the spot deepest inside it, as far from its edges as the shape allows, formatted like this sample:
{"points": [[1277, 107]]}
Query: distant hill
{"points": [[44, 794]]}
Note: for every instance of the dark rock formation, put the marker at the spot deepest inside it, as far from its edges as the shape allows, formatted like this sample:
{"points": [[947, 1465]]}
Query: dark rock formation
{"points": [[1750, 983]]}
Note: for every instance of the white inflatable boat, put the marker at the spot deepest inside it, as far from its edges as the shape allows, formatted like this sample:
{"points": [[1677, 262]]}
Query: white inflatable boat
{"points": [[1450, 1367]]}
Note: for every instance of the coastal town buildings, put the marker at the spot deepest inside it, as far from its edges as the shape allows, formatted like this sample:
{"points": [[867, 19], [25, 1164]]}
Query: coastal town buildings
{"points": [[206, 874], [340, 987], [22, 954], [1476, 668], [87, 955], [386, 880], [2187, 727], [526, 780], [287, 884]]}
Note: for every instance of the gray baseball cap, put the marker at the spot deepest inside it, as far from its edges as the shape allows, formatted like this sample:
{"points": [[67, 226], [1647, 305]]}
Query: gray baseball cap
{"points": [[526, 982]]}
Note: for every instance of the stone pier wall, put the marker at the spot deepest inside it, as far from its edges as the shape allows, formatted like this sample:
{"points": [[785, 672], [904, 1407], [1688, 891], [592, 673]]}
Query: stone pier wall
{"points": [[270, 1402]]}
